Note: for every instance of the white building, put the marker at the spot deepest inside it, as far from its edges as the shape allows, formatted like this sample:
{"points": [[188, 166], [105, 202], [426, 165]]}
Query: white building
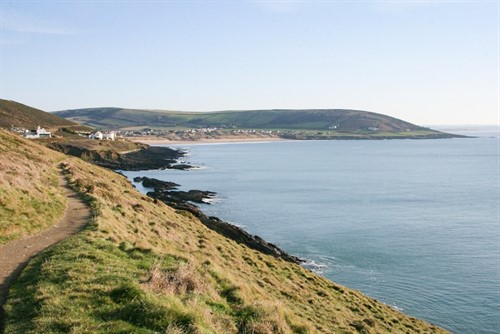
{"points": [[38, 133], [96, 135], [111, 135]]}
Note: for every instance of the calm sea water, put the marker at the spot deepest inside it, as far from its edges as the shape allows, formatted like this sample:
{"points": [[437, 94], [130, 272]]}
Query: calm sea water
{"points": [[412, 223]]}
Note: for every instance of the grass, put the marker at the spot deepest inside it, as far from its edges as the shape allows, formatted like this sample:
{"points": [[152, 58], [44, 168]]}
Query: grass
{"points": [[20, 115], [92, 286], [142, 267], [319, 120], [31, 198], [119, 146]]}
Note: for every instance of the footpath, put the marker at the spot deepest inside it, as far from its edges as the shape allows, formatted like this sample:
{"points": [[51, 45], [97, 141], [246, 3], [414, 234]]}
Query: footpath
{"points": [[15, 255]]}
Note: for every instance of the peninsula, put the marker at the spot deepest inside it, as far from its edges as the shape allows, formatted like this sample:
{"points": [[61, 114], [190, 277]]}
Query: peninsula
{"points": [[308, 124]]}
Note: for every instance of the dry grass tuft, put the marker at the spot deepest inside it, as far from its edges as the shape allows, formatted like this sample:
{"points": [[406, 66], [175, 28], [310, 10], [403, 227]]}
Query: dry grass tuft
{"points": [[184, 279], [264, 317], [174, 329]]}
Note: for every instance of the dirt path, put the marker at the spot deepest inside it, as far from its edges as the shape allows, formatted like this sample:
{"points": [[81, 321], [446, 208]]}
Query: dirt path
{"points": [[15, 255]]}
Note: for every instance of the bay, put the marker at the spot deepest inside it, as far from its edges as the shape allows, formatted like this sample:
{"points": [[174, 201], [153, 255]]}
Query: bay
{"points": [[412, 223]]}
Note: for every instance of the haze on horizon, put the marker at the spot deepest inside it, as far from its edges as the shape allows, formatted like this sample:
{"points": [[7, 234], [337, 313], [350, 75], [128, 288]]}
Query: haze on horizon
{"points": [[427, 62]]}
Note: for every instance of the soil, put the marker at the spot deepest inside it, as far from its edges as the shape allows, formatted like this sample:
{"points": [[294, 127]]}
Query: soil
{"points": [[15, 255]]}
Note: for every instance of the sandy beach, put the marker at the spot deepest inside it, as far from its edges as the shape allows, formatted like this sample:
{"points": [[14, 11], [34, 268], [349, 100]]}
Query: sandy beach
{"points": [[164, 141]]}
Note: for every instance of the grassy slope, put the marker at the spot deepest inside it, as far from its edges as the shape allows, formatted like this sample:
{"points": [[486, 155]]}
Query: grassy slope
{"points": [[120, 146], [142, 267], [347, 120], [30, 196], [20, 115]]}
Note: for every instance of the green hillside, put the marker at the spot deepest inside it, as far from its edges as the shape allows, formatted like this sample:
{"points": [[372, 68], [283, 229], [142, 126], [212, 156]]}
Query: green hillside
{"points": [[14, 114], [30, 197], [315, 119], [143, 267]]}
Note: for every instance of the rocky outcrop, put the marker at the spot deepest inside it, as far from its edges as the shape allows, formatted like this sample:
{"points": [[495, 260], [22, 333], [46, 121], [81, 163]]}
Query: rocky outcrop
{"points": [[182, 200], [241, 236], [156, 184], [148, 157]]}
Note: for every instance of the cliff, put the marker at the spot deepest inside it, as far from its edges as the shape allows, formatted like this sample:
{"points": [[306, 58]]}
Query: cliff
{"points": [[142, 266]]}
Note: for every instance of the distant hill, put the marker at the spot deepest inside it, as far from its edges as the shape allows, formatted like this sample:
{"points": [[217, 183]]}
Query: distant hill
{"points": [[343, 120], [14, 114]]}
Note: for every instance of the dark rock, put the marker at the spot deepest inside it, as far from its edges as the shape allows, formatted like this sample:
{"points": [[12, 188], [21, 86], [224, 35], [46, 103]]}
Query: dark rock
{"points": [[180, 166], [156, 184], [149, 157], [176, 204], [163, 191], [197, 196], [241, 236]]}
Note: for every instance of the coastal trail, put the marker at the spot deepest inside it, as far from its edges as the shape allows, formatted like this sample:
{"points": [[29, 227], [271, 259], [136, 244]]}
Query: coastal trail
{"points": [[15, 255]]}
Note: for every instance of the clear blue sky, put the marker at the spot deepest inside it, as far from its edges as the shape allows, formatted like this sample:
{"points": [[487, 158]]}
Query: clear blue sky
{"points": [[428, 62]]}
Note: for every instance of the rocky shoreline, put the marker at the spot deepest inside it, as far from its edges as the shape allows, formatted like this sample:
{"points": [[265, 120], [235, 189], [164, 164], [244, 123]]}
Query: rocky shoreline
{"points": [[156, 157], [144, 158], [148, 157], [181, 200]]}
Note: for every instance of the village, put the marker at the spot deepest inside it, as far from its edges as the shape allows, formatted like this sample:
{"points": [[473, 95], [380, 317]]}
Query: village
{"points": [[209, 131], [42, 133], [173, 134]]}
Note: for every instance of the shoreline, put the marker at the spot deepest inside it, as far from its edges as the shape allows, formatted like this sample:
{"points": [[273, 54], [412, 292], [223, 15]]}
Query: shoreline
{"points": [[168, 193], [164, 141], [247, 139]]}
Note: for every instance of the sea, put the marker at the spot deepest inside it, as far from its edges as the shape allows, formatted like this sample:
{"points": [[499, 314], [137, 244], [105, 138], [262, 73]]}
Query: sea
{"points": [[414, 224]]}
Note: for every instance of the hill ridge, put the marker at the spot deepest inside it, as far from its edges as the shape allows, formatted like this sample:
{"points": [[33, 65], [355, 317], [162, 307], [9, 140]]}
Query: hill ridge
{"points": [[15, 114], [305, 119]]}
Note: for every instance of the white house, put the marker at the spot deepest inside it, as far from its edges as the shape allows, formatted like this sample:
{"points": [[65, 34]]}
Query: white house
{"points": [[96, 135], [111, 135], [38, 133]]}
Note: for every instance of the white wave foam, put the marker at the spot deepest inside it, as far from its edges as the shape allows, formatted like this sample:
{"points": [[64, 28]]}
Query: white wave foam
{"points": [[198, 167], [315, 267], [236, 224], [397, 308], [212, 200]]}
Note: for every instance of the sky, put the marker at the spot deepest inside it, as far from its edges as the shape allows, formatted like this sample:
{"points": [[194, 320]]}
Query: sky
{"points": [[427, 62]]}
